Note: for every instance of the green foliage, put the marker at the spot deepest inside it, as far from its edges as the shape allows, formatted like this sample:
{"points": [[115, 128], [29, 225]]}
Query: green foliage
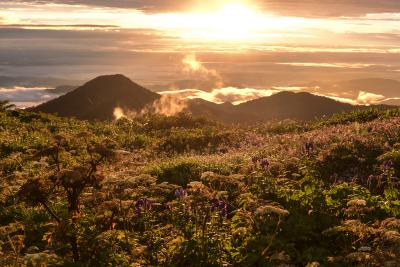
{"points": [[185, 191], [182, 171]]}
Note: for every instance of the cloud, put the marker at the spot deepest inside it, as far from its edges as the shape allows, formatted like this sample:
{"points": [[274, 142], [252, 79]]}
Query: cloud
{"points": [[366, 98], [149, 57], [330, 8], [145, 5], [363, 98], [196, 69], [40, 47], [308, 8], [24, 97], [328, 65], [222, 95], [58, 26], [169, 105], [177, 98]]}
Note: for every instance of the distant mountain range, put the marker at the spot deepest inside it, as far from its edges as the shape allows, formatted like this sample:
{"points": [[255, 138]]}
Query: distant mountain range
{"points": [[98, 98]]}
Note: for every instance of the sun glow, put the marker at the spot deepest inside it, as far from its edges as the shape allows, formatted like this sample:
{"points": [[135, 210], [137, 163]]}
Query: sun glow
{"points": [[235, 21], [231, 21]]}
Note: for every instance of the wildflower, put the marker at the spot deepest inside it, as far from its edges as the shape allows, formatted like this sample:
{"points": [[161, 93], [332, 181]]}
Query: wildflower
{"points": [[255, 159], [269, 209], [142, 204], [357, 202], [220, 206], [223, 210], [264, 164], [388, 164], [215, 204], [309, 147], [180, 193]]}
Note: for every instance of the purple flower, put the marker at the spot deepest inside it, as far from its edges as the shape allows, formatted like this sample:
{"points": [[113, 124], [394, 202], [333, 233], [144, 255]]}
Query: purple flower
{"points": [[142, 204], [309, 147], [388, 164], [215, 204], [221, 207], [255, 159], [264, 164], [180, 193]]}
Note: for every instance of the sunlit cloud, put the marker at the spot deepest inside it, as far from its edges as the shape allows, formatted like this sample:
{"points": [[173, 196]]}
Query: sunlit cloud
{"points": [[369, 98], [328, 65], [311, 8], [216, 22], [238, 96], [194, 68], [363, 98], [222, 95]]}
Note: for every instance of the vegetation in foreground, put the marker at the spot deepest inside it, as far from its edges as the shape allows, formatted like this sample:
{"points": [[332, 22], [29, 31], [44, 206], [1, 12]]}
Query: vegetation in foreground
{"points": [[183, 191]]}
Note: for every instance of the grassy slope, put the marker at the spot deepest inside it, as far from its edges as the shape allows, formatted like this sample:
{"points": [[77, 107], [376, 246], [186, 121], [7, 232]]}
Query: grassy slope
{"points": [[335, 204]]}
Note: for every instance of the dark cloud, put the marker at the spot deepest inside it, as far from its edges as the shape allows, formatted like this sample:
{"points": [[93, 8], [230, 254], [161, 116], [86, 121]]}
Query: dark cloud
{"points": [[330, 8], [55, 26], [310, 8], [146, 5]]}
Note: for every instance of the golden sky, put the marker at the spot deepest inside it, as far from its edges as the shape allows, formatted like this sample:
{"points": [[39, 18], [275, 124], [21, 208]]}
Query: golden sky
{"points": [[243, 22], [248, 43]]}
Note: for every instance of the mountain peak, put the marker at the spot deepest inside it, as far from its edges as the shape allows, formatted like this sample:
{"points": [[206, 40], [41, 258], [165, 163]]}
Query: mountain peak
{"points": [[98, 98], [110, 77], [115, 79]]}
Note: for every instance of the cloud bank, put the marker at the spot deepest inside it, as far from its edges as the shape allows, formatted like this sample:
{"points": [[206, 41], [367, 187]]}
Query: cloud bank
{"points": [[221, 95], [24, 97], [309, 8]]}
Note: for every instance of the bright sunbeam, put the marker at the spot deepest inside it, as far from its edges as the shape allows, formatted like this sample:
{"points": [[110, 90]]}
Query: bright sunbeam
{"points": [[230, 21], [235, 21]]}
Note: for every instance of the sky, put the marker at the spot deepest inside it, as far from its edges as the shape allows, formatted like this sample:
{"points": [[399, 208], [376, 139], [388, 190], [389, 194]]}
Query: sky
{"points": [[220, 50]]}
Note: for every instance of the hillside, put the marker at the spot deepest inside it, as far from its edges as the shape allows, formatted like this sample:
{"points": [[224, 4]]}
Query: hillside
{"points": [[63, 89], [303, 106], [98, 98], [184, 191]]}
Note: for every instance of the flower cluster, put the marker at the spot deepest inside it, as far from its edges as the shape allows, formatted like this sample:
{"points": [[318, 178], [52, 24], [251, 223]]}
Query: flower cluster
{"points": [[263, 162], [221, 207], [142, 205], [388, 164], [309, 147], [180, 193]]}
